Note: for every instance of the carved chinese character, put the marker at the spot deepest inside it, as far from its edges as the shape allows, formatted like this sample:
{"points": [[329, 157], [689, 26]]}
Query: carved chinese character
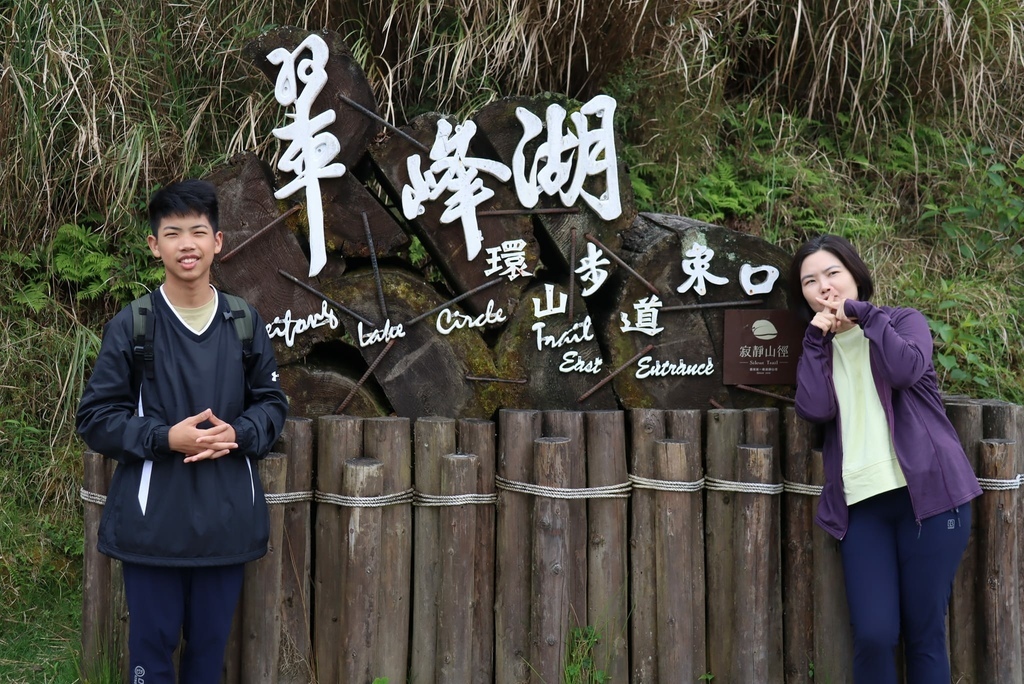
{"points": [[566, 159], [310, 149], [452, 170], [590, 269], [646, 317], [509, 258], [697, 265]]}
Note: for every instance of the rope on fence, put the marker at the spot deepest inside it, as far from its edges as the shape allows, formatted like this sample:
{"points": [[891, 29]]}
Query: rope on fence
{"points": [[285, 498], [997, 485], [617, 491], [717, 485], [420, 499], [365, 501], [288, 497], [802, 488], [666, 485], [93, 497]]}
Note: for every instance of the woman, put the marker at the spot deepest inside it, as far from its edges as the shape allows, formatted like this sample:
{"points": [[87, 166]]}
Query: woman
{"points": [[897, 481]]}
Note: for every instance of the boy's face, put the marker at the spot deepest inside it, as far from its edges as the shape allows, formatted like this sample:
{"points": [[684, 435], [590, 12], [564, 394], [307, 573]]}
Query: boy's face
{"points": [[186, 244]]}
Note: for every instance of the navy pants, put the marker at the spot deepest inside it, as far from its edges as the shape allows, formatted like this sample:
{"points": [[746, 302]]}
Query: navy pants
{"points": [[898, 579], [166, 605]]}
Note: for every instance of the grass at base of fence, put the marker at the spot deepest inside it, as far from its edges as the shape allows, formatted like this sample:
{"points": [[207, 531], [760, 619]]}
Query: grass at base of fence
{"points": [[580, 667], [42, 600]]}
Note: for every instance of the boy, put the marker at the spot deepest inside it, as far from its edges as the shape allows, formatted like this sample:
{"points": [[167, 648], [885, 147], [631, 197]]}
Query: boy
{"points": [[185, 509]]}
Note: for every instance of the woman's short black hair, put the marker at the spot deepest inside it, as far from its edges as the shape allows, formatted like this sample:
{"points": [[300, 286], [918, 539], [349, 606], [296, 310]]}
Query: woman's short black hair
{"points": [[182, 198], [845, 252]]}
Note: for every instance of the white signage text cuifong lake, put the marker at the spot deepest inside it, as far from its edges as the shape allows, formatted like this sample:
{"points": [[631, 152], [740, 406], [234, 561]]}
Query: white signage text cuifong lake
{"points": [[288, 327], [648, 367], [451, 319], [384, 334]]}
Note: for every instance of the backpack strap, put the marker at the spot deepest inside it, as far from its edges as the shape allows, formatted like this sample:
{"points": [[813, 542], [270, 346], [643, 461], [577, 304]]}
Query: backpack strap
{"points": [[143, 326], [238, 311]]}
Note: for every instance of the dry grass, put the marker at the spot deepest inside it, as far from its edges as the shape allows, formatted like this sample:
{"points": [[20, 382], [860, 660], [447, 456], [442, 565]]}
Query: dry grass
{"points": [[881, 62], [456, 56], [103, 101]]}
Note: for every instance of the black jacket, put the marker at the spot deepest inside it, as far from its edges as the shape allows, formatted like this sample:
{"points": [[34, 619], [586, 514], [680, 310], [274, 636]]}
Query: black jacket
{"points": [[161, 510]]}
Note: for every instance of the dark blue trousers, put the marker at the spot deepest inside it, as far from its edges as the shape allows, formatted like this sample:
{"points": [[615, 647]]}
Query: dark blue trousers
{"points": [[166, 605], [898, 579]]}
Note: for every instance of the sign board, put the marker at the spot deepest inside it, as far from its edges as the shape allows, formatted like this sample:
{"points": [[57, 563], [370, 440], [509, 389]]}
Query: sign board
{"points": [[762, 346], [455, 266]]}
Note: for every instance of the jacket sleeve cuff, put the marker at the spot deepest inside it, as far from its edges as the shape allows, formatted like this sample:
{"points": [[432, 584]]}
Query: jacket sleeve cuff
{"points": [[244, 437], [813, 337], [161, 443], [857, 309]]}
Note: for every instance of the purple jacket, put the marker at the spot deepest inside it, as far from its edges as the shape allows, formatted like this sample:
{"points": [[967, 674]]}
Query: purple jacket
{"points": [[928, 449]]}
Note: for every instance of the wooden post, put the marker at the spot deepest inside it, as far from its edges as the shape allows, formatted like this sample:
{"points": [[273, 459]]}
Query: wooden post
{"points": [[1000, 420], [1000, 628], [570, 424], [965, 649], [685, 425], [680, 565], [762, 427], [1019, 414], [458, 541], [647, 426], [119, 610], [339, 439], [388, 440], [98, 640], [362, 556], [477, 437], [752, 563], [725, 429], [833, 639], [261, 590], [118, 601], [549, 615], [434, 437], [607, 560], [797, 555], [517, 432], [296, 666]]}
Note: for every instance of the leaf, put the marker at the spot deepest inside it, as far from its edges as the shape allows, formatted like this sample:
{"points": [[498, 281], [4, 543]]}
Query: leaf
{"points": [[944, 331], [35, 296]]}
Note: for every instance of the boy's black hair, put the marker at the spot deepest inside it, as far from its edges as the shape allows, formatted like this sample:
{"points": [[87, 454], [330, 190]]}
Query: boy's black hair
{"points": [[846, 253], [182, 198]]}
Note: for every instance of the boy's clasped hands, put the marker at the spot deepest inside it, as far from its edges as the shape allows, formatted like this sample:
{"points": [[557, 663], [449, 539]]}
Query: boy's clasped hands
{"points": [[198, 443]]}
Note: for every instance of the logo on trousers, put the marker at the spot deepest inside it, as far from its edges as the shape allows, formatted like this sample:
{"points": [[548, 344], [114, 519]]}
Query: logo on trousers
{"points": [[140, 673]]}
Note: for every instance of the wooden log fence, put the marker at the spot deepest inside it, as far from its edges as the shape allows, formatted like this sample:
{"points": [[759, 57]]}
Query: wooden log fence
{"points": [[655, 546]]}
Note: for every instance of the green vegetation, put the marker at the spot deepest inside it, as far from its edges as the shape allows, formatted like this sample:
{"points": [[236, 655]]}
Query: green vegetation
{"points": [[897, 125], [579, 667]]}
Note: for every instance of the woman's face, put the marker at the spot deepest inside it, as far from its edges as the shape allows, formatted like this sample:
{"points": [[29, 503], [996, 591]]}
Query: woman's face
{"points": [[822, 274]]}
